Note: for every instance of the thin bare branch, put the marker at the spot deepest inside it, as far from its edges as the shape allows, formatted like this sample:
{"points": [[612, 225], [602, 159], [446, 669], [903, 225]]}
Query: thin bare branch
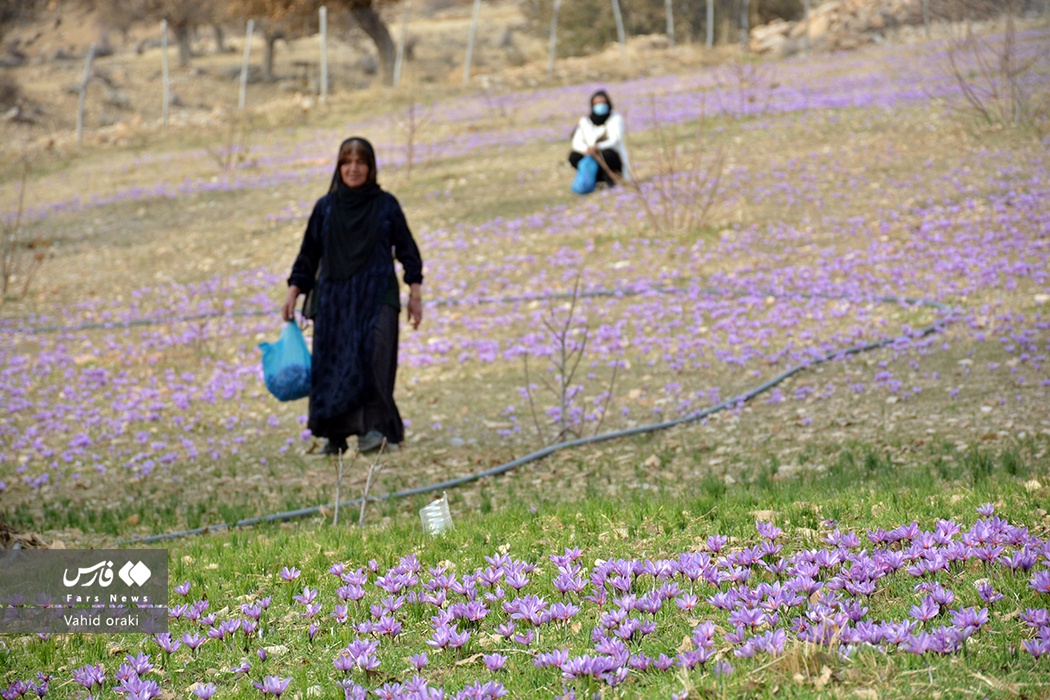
{"points": [[532, 404], [339, 481], [373, 470], [608, 398]]}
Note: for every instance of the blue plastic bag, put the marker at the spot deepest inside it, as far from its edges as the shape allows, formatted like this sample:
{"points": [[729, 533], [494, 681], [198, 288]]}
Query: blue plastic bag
{"points": [[286, 364], [586, 176]]}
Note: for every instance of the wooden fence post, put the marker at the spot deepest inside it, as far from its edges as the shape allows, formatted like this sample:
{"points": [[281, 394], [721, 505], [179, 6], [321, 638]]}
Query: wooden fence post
{"points": [[323, 21], [745, 23], [244, 64], [470, 41], [164, 68], [805, 18], [710, 23], [669, 11], [552, 50], [83, 93], [401, 44], [620, 33]]}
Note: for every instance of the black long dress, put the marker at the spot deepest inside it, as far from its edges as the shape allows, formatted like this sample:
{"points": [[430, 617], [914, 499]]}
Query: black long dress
{"points": [[356, 327]]}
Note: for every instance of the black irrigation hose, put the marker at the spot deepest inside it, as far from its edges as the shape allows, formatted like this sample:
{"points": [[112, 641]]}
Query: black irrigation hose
{"points": [[163, 320], [934, 327], [510, 299]]}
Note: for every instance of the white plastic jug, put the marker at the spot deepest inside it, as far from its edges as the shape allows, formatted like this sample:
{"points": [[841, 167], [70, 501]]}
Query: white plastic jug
{"points": [[436, 516]]}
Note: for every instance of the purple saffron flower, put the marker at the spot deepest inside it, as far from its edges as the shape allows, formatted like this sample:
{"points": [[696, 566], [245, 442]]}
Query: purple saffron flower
{"points": [[970, 619], [942, 596], [140, 662], [1022, 560], [1036, 617], [1037, 647], [138, 689], [768, 530], [458, 639], [17, 689], [986, 510], [124, 672], [926, 610], [89, 676], [916, 643], [351, 591], [387, 626], [193, 641], [716, 542], [1040, 583], [351, 690], [273, 685], [524, 639], [482, 691], [988, 593], [419, 660], [183, 588], [344, 662], [290, 574], [494, 662], [166, 643], [307, 596], [204, 691], [663, 662]]}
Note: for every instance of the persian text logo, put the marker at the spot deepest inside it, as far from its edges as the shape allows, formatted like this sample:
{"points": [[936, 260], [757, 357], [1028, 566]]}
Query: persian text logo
{"points": [[102, 572]]}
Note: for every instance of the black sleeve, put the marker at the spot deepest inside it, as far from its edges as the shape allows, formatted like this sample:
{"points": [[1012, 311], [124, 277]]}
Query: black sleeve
{"points": [[304, 270], [405, 248]]}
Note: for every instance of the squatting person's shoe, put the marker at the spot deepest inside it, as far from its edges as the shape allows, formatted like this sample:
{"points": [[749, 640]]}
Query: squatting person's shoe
{"points": [[334, 447], [370, 441]]}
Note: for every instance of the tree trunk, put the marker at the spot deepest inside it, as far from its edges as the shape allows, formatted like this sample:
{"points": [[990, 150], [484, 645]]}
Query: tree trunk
{"points": [[271, 49], [182, 37], [220, 38], [372, 24]]}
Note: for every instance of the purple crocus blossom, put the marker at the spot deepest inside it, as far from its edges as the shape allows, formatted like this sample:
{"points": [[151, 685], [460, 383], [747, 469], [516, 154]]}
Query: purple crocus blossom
{"points": [[1040, 582], [273, 685], [494, 662], [89, 675], [204, 691]]}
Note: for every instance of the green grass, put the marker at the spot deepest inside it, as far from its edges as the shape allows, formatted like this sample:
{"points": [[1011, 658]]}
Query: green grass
{"points": [[862, 489]]}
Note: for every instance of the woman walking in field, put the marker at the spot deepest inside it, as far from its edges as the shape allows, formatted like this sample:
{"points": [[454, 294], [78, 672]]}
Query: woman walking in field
{"points": [[348, 251]]}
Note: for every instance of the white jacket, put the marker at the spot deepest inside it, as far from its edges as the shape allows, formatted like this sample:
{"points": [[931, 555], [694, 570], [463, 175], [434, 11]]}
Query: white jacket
{"points": [[611, 134]]}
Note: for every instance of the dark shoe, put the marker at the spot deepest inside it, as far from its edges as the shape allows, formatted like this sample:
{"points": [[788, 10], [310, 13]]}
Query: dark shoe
{"points": [[370, 441], [334, 447]]}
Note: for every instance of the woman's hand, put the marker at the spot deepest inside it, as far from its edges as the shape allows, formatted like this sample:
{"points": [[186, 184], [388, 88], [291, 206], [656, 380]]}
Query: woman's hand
{"points": [[288, 310], [415, 305]]}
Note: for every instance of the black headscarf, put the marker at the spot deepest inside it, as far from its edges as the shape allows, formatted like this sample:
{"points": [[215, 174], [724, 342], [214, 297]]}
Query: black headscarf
{"points": [[596, 119], [355, 224]]}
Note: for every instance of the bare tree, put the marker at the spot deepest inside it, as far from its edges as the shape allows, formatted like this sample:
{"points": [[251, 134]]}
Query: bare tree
{"points": [[278, 20], [366, 14], [118, 16], [183, 17], [14, 11], [294, 17]]}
